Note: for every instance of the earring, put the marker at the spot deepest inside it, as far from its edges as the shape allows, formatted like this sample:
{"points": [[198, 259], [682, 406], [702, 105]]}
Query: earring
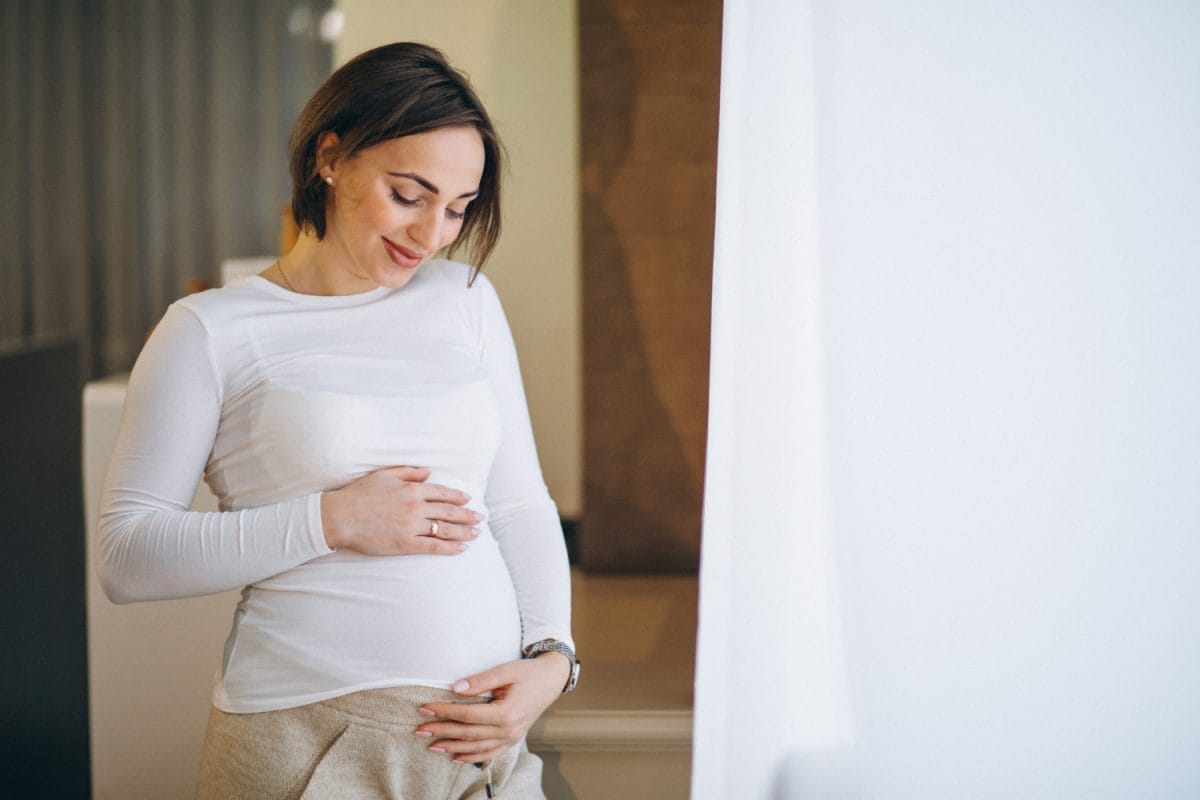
{"points": [[329, 179]]}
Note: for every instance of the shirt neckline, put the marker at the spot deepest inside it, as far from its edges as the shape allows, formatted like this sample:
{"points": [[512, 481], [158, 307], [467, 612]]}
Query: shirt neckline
{"points": [[323, 300]]}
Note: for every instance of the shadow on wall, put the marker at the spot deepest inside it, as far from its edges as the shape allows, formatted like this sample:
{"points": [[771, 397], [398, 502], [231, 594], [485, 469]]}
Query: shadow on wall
{"points": [[638, 485], [554, 783]]}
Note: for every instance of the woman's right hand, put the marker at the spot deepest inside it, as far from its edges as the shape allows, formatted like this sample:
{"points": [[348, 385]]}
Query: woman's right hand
{"points": [[390, 512]]}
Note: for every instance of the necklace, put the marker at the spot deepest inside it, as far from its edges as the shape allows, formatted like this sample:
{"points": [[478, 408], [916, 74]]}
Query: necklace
{"points": [[283, 275]]}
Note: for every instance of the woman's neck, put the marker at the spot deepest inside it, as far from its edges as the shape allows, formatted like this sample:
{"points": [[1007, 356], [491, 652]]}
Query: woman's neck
{"points": [[311, 267]]}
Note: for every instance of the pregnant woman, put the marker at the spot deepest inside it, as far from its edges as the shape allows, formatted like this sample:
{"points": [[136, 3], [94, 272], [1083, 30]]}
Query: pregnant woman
{"points": [[358, 411]]}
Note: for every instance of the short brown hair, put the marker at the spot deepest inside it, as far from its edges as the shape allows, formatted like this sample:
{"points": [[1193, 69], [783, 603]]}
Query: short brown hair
{"points": [[392, 91]]}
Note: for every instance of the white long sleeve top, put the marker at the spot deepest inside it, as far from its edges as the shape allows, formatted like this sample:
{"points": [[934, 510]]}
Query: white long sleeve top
{"points": [[275, 397]]}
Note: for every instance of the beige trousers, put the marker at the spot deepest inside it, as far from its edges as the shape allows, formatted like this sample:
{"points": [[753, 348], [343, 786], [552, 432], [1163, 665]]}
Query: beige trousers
{"points": [[360, 746]]}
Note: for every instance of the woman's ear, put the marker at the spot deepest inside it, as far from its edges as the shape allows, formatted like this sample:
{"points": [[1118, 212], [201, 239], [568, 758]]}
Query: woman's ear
{"points": [[327, 145]]}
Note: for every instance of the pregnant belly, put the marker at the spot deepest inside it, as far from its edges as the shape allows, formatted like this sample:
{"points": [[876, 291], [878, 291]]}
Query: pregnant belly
{"points": [[348, 620]]}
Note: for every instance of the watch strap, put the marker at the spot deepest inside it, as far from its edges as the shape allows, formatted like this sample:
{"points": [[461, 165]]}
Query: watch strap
{"points": [[555, 646]]}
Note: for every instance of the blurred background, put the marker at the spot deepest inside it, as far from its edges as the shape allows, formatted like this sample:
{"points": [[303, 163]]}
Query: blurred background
{"points": [[147, 148]]}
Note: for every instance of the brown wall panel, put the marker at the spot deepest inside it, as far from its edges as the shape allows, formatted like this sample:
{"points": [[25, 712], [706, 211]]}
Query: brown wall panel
{"points": [[649, 77]]}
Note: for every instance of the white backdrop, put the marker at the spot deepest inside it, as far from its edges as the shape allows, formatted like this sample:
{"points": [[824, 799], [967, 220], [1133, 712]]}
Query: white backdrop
{"points": [[952, 522]]}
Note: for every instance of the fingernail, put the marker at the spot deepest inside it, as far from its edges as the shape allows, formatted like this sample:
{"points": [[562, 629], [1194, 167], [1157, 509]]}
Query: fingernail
{"points": [[466, 497], [428, 712], [460, 686], [424, 734], [436, 749], [478, 516], [462, 547], [474, 532]]}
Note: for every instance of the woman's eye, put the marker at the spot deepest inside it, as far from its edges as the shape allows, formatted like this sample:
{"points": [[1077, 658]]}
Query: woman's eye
{"points": [[457, 216], [402, 200]]}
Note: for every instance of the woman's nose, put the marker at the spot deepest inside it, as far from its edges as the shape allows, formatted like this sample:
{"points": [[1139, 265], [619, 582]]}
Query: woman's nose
{"points": [[426, 230]]}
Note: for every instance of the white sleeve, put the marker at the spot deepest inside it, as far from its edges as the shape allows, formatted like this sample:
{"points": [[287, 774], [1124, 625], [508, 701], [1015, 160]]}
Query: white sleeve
{"points": [[521, 514], [150, 546]]}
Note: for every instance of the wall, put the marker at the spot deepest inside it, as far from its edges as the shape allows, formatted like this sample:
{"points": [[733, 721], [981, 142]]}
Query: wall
{"points": [[520, 56], [956, 375]]}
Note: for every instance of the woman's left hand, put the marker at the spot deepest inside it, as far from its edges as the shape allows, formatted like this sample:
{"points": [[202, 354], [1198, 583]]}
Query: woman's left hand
{"points": [[472, 732]]}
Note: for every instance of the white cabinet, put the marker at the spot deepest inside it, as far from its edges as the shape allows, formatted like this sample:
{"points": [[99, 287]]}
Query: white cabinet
{"points": [[150, 665]]}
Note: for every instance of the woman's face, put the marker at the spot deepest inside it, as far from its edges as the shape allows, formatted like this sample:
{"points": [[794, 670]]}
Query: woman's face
{"points": [[394, 205]]}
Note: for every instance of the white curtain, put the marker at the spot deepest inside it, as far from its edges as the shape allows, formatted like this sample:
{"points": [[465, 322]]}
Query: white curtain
{"points": [[952, 511], [141, 143]]}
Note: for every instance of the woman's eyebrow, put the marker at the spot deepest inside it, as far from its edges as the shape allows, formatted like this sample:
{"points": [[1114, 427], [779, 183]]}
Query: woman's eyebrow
{"points": [[425, 183]]}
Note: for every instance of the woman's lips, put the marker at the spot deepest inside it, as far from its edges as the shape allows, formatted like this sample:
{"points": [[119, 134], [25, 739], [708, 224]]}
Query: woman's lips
{"points": [[402, 256]]}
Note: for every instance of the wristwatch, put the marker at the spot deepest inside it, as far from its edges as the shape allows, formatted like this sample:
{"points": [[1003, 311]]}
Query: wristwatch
{"points": [[554, 645]]}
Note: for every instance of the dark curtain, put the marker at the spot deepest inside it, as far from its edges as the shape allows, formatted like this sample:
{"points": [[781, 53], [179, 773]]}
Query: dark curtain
{"points": [[143, 142]]}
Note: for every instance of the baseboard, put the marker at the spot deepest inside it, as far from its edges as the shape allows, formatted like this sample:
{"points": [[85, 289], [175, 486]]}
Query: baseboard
{"points": [[619, 731]]}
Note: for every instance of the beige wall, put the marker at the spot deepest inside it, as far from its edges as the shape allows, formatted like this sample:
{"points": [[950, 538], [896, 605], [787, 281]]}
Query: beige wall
{"points": [[521, 57]]}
